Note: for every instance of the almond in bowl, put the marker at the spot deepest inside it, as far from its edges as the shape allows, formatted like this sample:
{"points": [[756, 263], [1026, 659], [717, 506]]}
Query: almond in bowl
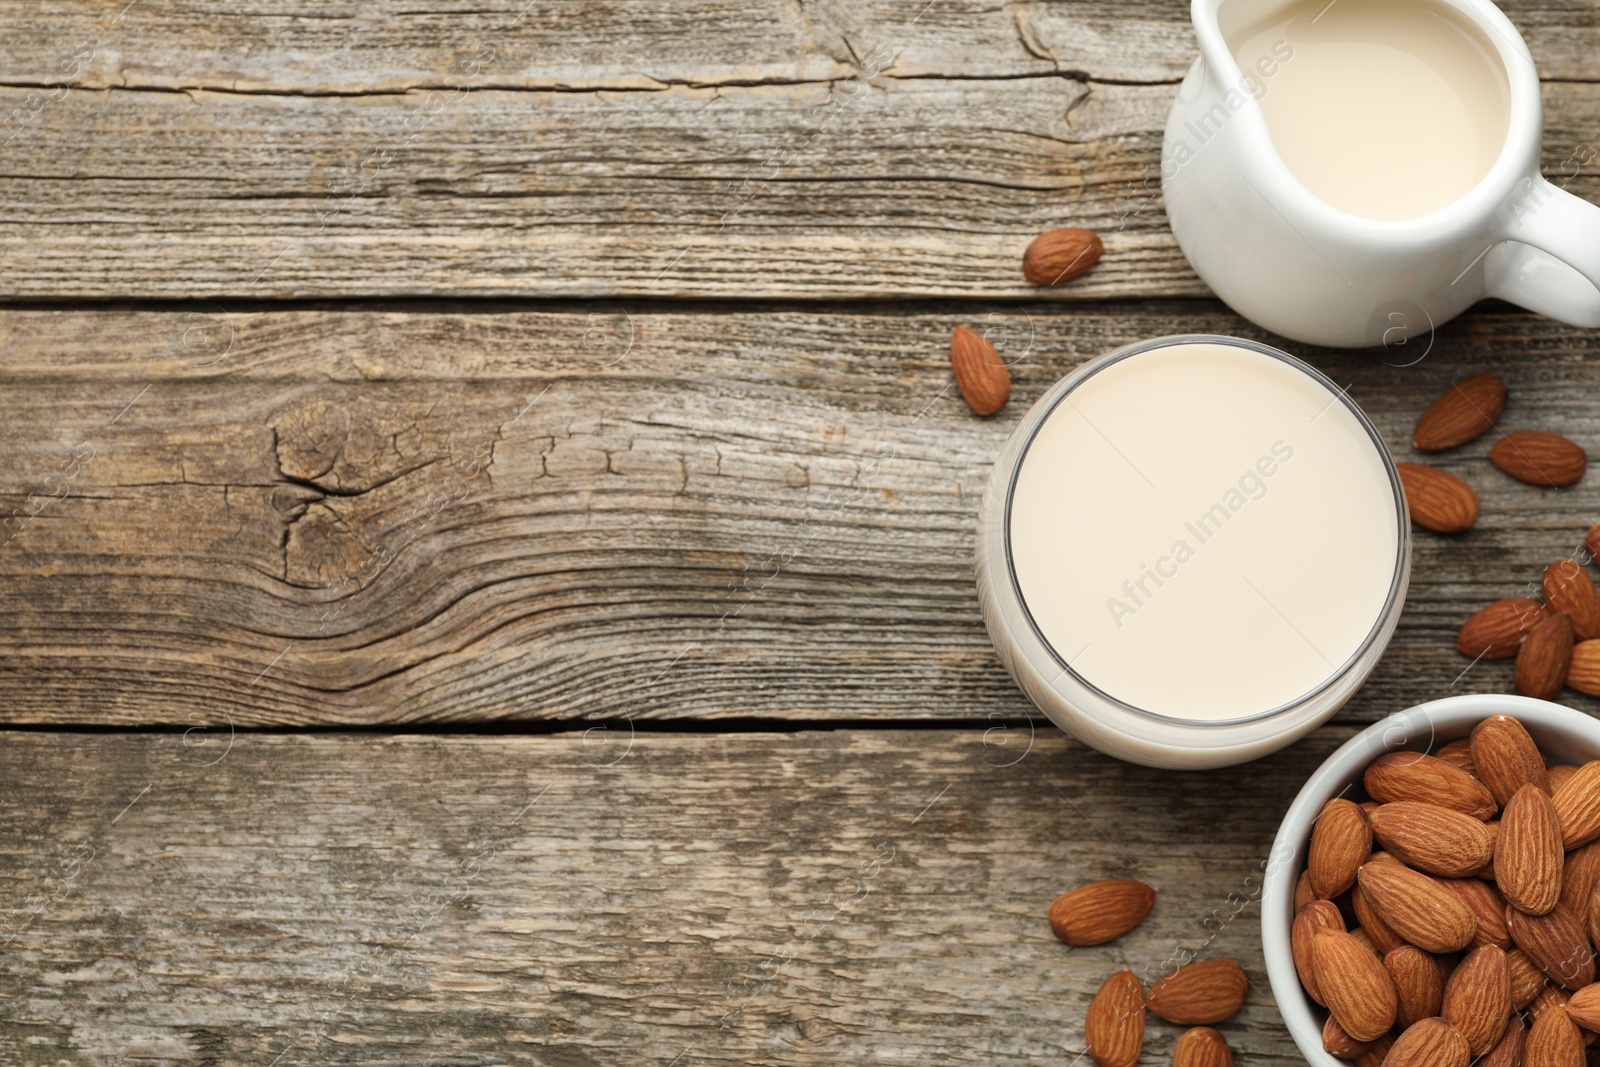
{"points": [[1431, 895]]}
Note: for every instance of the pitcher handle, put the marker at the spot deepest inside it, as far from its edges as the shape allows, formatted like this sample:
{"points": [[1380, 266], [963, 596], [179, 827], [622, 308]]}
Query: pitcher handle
{"points": [[1550, 261]]}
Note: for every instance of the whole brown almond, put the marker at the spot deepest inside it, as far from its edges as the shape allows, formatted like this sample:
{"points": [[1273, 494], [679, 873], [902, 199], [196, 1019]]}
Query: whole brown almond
{"points": [[1202, 1047], [1568, 588], [1418, 984], [1384, 940], [1508, 1053], [1526, 978], [1544, 657], [1556, 944], [1506, 757], [1461, 413], [1528, 854], [1433, 839], [1493, 826], [1357, 989], [1591, 915], [1302, 891], [1206, 991], [1584, 672], [1417, 908], [1416, 776], [1458, 753], [1114, 1028], [1377, 1052], [1579, 873], [1100, 911], [1340, 841], [1341, 1044], [1578, 806], [1550, 996], [1496, 632], [1058, 256], [1584, 1007], [1477, 1001], [1539, 458], [1487, 905], [980, 373], [1436, 499], [1429, 1043], [1561, 773], [1317, 915], [1553, 1041]]}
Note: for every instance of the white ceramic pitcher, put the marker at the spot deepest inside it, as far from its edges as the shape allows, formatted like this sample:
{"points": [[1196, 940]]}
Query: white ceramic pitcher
{"points": [[1292, 263]]}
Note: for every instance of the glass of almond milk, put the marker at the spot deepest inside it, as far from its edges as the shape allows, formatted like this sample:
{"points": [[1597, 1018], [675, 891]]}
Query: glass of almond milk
{"points": [[1192, 551]]}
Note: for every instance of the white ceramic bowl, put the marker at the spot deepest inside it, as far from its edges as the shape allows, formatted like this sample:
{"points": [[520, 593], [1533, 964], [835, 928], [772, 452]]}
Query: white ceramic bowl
{"points": [[1566, 736]]}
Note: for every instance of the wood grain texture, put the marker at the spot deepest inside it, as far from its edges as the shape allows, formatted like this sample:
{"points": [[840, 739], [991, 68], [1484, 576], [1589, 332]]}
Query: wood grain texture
{"points": [[470, 513], [809, 898], [779, 150]]}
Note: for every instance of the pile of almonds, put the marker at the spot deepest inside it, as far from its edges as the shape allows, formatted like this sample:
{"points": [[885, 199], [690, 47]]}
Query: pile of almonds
{"points": [[1054, 257], [1194, 995], [1460, 896]]}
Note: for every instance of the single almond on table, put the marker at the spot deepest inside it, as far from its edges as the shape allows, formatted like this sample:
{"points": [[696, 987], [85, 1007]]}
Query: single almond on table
{"points": [[1114, 1028], [1496, 632], [1584, 1007], [1418, 984], [1578, 806], [1539, 458], [1429, 1043], [1568, 588], [1205, 991], [1432, 839], [1506, 757], [1057, 256], [1341, 1044], [1508, 1053], [1417, 908], [1357, 989], [1545, 655], [1477, 1001], [1458, 753], [1553, 1041], [1340, 841], [980, 373], [1528, 854], [1100, 911], [1417, 776], [1436, 499], [1461, 413], [1584, 672], [1317, 915], [1556, 944], [1201, 1047], [1487, 905], [1526, 978]]}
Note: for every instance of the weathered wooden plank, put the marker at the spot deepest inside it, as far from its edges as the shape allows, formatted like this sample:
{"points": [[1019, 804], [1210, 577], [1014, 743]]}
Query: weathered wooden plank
{"points": [[810, 898], [359, 153], [450, 513]]}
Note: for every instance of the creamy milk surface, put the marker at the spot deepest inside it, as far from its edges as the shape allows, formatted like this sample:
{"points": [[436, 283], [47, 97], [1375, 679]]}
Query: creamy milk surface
{"points": [[1386, 109], [1203, 532]]}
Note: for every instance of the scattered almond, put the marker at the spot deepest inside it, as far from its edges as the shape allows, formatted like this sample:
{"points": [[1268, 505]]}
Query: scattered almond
{"points": [[1556, 944], [1568, 588], [1545, 655], [1100, 911], [1417, 908], [1418, 984], [1357, 989], [1432, 839], [1340, 840], [980, 373], [1461, 413], [1528, 854], [1205, 991], [1429, 1043], [1506, 757], [1497, 631], [1057, 256], [1114, 1028], [1584, 673], [1201, 1047], [1477, 1001], [1436, 499], [1415, 776], [1540, 458]]}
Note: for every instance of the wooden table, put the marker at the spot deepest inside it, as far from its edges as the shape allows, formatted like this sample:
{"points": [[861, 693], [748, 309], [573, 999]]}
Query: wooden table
{"points": [[489, 567]]}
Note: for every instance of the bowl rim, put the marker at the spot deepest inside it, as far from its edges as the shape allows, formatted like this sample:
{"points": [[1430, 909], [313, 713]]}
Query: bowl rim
{"points": [[1440, 720]]}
